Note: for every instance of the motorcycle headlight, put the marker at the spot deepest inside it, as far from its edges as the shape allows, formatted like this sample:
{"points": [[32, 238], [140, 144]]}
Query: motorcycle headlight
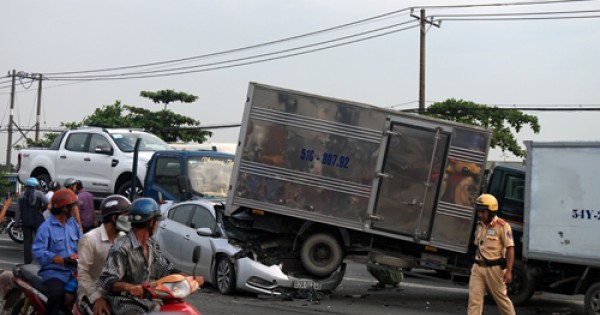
{"points": [[179, 289]]}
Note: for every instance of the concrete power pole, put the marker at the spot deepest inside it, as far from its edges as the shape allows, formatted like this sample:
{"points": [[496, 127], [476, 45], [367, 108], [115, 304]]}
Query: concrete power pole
{"points": [[39, 109], [422, 64], [10, 124]]}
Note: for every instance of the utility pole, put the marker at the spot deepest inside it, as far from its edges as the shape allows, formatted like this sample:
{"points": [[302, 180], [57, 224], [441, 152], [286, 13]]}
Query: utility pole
{"points": [[423, 21], [39, 109], [10, 123], [422, 64]]}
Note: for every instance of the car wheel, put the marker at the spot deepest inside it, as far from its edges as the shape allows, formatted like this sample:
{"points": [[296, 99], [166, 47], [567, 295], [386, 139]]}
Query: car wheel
{"points": [[125, 190], [592, 299], [522, 286], [44, 180], [225, 276], [321, 254]]}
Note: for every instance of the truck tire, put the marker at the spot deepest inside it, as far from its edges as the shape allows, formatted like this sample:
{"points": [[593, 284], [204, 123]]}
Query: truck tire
{"points": [[523, 284], [592, 299], [321, 254], [125, 190], [44, 180]]}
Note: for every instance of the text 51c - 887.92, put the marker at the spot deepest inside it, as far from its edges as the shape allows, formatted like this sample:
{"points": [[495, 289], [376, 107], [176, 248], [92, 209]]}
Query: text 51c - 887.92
{"points": [[328, 159]]}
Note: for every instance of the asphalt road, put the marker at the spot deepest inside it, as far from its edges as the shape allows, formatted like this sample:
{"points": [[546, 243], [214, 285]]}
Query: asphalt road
{"points": [[416, 295]]}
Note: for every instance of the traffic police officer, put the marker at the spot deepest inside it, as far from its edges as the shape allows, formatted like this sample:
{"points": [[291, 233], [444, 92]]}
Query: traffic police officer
{"points": [[494, 258]]}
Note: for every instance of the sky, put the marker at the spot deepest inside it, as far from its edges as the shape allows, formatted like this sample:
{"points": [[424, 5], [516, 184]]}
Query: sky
{"points": [[521, 63]]}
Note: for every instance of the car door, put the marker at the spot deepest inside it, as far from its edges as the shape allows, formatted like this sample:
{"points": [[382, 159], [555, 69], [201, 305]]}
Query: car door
{"points": [[202, 217], [171, 233], [97, 166], [70, 161]]}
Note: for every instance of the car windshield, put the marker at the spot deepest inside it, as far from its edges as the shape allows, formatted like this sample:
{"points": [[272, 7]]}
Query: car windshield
{"points": [[209, 175], [126, 141]]}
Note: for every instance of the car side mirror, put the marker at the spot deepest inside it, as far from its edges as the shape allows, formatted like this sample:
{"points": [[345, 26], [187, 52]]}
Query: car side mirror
{"points": [[103, 149], [204, 231]]}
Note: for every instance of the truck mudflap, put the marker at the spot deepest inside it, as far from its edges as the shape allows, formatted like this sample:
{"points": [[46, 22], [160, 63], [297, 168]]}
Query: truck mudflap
{"points": [[262, 279]]}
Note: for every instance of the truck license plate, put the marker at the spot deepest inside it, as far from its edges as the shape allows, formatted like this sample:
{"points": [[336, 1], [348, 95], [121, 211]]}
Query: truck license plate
{"points": [[306, 284]]}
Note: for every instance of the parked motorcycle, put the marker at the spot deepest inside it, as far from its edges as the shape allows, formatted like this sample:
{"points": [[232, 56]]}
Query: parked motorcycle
{"points": [[10, 226], [35, 294]]}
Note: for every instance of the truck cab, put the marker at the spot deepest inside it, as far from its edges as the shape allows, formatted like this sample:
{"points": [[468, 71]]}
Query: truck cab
{"points": [[182, 175]]}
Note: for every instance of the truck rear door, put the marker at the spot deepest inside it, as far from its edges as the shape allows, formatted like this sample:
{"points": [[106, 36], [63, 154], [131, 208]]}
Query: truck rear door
{"points": [[430, 176]]}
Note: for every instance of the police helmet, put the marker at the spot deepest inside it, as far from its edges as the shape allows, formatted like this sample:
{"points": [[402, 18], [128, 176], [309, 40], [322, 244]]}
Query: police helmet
{"points": [[486, 202]]}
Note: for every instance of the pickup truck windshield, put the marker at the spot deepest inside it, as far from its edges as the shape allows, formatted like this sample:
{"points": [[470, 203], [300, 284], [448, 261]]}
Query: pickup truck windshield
{"points": [[209, 176], [126, 141]]}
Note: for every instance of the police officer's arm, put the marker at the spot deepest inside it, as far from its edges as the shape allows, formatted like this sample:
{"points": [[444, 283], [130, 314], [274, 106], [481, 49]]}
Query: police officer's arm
{"points": [[510, 260]]}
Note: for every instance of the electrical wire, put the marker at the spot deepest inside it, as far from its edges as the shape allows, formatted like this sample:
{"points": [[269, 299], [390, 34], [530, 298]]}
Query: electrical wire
{"points": [[243, 58], [514, 13], [232, 65], [521, 18], [235, 50]]}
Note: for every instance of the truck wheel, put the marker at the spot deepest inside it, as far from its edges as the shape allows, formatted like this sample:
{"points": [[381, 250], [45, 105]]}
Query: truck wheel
{"points": [[125, 190], [44, 180], [592, 299], [321, 254], [522, 286]]}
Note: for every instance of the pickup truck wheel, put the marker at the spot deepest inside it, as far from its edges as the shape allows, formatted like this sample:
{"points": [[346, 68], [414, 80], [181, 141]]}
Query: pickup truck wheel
{"points": [[321, 254], [522, 286], [592, 299], [125, 190], [44, 180]]}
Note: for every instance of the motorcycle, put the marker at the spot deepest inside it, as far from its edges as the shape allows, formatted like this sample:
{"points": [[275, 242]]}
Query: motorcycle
{"points": [[169, 291], [27, 280], [9, 225]]}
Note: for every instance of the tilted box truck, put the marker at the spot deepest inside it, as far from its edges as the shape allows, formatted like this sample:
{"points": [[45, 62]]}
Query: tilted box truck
{"points": [[317, 179]]}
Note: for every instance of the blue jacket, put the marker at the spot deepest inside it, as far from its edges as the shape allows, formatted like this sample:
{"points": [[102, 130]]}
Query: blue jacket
{"points": [[54, 239]]}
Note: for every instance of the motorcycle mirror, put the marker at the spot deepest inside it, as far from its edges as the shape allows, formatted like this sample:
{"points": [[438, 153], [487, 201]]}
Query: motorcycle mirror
{"points": [[196, 258]]}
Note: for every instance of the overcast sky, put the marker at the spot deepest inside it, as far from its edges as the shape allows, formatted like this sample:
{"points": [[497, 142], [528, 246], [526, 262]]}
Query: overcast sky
{"points": [[539, 63]]}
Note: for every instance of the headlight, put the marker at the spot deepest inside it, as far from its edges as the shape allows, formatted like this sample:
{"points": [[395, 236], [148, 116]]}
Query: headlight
{"points": [[180, 289]]}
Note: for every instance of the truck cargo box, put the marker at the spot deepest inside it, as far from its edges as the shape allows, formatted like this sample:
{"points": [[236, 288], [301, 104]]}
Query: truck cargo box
{"points": [[562, 208], [358, 166]]}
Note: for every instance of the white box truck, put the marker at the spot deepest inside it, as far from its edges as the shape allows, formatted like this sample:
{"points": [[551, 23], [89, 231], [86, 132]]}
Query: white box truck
{"points": [[562, 217]]}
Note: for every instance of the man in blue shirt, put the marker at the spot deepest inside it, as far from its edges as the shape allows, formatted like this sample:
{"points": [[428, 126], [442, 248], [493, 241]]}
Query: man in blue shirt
{"points": [[56, 240]]}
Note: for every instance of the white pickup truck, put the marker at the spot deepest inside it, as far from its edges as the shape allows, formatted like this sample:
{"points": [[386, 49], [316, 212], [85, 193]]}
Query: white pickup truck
{"points": [[102, 159]]}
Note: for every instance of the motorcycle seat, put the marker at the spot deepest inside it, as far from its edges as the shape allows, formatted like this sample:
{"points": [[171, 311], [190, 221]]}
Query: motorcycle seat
{"points": [[29, 273]]}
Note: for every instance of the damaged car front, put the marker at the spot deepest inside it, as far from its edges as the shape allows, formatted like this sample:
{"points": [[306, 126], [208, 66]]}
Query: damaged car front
{"points": [[228, 262]]}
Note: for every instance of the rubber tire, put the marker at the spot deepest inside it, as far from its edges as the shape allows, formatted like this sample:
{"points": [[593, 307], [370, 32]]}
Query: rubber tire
{"points": [[13, 237], [17, 308], [592, 299], [523, 284], [44, 180], [329, 250], [225, 276], [125, 189]]}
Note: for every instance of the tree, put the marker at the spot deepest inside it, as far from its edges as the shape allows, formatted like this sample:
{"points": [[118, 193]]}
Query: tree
{"points": [[499, 120], [165, 124], [168, 96], [44, 142]]}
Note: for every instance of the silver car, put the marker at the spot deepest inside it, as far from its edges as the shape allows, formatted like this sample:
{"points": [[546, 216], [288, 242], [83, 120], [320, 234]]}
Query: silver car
{"points": [[224, 265]]}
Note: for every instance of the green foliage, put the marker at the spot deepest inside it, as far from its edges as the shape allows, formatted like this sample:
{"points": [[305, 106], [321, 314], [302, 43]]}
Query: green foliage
{"points": [[44, 142], [165, 124], [499, 120], [168, 96], [4, 183]]}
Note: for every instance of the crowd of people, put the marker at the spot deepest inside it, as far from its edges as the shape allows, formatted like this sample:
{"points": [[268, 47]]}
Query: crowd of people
{"points": [[88, 260]]}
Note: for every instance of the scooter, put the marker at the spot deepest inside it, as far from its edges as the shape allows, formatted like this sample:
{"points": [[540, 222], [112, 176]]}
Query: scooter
{"points": [[170, 291], [26, 278]]}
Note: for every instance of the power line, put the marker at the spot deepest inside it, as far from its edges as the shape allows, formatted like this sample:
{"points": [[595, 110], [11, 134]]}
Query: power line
{"points": [[115, 77], [235, 50], [515, 13], [521, 18]]}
